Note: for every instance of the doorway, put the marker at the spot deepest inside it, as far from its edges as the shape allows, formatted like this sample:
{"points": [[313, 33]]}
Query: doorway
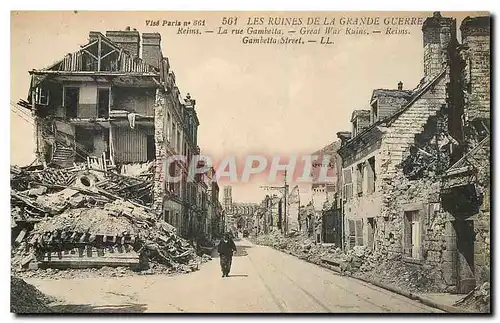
{"points": [[151, 151], [464, 264]]}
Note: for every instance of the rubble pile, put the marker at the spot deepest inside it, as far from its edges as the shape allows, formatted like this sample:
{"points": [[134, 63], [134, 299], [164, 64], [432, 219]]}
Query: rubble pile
{"points": [[299, 245], [26, 299], [479, 299], [81, 225], [136, 189], [357, 262], [376, 266]]}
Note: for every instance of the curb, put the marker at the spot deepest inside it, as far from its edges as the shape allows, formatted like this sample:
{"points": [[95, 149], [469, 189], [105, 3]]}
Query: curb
{"points": [[410, 295]]}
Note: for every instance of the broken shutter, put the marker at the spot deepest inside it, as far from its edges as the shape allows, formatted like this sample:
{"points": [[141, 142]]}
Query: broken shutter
{"points": [[359, 232], [415, 224], [352, 234], [407, 236]]}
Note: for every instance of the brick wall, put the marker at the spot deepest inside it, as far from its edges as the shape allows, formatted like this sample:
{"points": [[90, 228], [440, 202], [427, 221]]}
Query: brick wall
{"points": [[401, 133]]}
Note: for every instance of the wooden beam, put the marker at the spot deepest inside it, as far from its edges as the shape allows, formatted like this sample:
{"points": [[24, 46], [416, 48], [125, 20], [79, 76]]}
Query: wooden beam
{"points": [[89, 44], [111, 52], [99, 54], [86, 51]]}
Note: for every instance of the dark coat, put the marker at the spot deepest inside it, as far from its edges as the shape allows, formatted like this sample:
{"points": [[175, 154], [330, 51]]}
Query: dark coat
{"points": [[226, 248]]}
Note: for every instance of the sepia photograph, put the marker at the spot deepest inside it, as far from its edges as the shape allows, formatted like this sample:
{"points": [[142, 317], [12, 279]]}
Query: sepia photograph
{"points": [[250, 162]]}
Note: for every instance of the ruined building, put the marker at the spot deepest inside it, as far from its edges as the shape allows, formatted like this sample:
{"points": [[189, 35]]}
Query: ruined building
{"points": [[115, 100], [326, 224], [416, 179]]}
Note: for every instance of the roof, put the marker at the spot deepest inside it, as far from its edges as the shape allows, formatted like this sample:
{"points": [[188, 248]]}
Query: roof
{"points": [[330, 149], [360, 113], [417, 93], [400, 94], [72, 62]]}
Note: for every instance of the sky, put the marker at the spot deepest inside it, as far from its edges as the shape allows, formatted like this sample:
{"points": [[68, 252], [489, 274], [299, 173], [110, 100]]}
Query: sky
{"points": [[251, 99]]}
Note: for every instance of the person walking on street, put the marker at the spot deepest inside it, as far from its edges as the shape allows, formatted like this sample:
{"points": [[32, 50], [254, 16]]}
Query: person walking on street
{"points": [[226, 248]]}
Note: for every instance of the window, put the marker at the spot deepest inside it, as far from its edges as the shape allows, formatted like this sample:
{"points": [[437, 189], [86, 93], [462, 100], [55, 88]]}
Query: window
{"points": [[41, 96], [174, 132], [359, 232], [103, 103], [374, 114], [71, 98], [167, 127], [347, 184], [352, 233], [354, 128], [171, 173], [179, 141], [412, 235], [360, 176], [371, 176]]}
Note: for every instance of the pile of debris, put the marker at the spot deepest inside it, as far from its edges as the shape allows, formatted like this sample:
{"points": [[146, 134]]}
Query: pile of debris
{"points": [[358, 262], [26, 299], [85, 218], [300, 245], [478, 300]]}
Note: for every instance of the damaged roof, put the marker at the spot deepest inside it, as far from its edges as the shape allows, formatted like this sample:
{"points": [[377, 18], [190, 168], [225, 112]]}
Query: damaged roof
{"points": [[414, 95], [73, 61]]}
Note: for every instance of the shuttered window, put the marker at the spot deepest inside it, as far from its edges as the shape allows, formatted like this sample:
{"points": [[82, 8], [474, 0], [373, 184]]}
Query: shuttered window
{"points": [[352, 233], [359, 232], [347, 184]]}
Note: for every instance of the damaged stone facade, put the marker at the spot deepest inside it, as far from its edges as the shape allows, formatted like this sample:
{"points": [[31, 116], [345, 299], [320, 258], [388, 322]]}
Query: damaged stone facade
{"points": [[115, 103], [406, 175]]}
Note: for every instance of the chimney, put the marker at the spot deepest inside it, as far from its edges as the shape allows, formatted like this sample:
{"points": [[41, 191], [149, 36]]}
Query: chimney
{"points": [[151, 49], [400, 86], [438, 34], [476, 34], [126, 39]]}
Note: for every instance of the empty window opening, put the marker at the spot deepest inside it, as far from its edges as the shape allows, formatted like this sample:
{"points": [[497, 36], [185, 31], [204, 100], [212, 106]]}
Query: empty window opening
{"points": [[103, 103], [71, 96], [371, 176], [360, 172]]}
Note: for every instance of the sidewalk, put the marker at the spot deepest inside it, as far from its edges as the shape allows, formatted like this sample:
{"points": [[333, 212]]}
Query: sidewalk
{"points": [[442, 301]]}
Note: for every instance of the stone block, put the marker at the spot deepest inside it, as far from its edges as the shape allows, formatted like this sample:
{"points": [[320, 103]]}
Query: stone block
{"points": [[433, 256], [480, 260]]}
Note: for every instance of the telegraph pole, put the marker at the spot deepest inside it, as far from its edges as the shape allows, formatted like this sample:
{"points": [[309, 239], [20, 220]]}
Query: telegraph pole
{"points": [[285, 217], [283, 189]]}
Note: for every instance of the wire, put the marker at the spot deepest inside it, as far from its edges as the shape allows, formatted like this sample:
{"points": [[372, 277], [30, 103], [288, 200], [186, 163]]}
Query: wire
{"points": [[23, 117]]}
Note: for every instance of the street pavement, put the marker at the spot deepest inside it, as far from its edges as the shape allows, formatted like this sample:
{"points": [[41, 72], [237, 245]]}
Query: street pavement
{"points": [[261, 280]]}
